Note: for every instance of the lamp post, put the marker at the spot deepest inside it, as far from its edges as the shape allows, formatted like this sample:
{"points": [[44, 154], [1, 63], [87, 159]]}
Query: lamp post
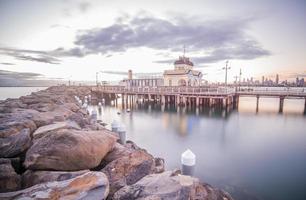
{"points": [[226, 68], [240, 73], [97, 77]]}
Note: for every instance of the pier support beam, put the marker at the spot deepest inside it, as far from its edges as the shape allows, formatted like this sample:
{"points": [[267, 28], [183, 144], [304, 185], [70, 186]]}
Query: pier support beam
{"points": [[224, 102], [177, 100], [184, 99], [163, 99], [149, 98], [257, 103], [305, 107], [236, 101], [197, 101], [281, 104], [122, 99]]}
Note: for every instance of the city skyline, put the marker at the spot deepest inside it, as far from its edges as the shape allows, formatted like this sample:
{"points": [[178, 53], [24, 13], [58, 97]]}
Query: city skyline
{"points": [[61, 40]]}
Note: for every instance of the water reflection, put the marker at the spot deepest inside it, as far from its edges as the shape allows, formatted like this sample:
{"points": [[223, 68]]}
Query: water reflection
{"points": [[252, 155]]}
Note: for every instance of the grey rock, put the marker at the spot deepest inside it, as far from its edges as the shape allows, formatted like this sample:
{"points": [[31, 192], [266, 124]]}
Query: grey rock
{"points": [[125, 166], [30, 178], [91, 185], [10, 180], [41, 131], [15, 144], [169, 186], [69, 150]]}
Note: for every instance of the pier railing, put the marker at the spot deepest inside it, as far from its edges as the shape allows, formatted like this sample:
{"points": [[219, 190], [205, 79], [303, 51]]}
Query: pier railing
{"points": [[274, 93], [200, 91], [166, 90]]}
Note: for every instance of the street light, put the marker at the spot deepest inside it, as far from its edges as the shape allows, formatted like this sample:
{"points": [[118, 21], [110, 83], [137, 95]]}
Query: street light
{"points": [[226, 68], [97, 73]]}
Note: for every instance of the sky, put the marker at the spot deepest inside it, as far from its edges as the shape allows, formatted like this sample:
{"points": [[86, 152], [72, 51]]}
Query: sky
{"points": [[74, 39]]}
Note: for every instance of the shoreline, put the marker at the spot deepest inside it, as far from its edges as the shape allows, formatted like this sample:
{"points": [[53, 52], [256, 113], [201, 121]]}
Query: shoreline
{"points": [[48, 140]]}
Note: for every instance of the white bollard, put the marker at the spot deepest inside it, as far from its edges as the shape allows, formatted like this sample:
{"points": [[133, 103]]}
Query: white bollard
{"points": [[85, 105], [94, 116], [115, 126], [188, 161], [122, 134]]}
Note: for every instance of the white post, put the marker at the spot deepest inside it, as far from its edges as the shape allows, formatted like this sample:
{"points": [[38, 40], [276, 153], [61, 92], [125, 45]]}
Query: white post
{"points": [[94, 116], [188, 161], [122, 134], [115, 126]]}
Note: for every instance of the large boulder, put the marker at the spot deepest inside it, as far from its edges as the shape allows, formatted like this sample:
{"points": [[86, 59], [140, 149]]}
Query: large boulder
{"points": [[91, 185], [60, 113], [30, 178], [69, 150], [9, 179], [170, 186], [41, 131], [15, 144], [42, 107], [13, 124], [126, 165]]}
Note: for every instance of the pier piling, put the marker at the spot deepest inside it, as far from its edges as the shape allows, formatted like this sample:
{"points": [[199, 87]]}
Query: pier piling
{"points": [[281, 104]]}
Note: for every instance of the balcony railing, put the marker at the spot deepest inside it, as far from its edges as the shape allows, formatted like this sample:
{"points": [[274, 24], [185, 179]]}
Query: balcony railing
{"points": [[166, 90]]}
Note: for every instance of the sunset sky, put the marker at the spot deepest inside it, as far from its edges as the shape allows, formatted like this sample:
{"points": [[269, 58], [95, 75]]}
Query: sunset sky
{"points": [[72, 39]]}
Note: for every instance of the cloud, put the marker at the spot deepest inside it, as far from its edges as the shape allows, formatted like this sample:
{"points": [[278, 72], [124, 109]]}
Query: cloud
{"points": [[292, 75], [10, 78], [207, 41], [59, 26], [84, 7], [213, 40], [7, 63], [29, 55]]}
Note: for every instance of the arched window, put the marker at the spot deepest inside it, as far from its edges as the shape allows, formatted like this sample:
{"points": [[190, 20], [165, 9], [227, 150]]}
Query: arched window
{"points": [[182, 82]]}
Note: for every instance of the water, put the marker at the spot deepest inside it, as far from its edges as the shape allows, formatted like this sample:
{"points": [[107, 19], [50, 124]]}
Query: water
{"points": [[16, 92], [252, 155]]}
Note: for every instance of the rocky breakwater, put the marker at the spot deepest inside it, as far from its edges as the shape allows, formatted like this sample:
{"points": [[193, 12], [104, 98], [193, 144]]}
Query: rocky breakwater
{"points": [[50, 149]]}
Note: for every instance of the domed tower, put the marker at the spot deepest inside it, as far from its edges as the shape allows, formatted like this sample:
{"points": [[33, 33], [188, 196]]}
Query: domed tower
{"points": [[183, 63]]}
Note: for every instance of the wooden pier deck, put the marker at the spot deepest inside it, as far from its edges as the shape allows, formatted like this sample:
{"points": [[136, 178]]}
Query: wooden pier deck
{"points": [[197, 96]]}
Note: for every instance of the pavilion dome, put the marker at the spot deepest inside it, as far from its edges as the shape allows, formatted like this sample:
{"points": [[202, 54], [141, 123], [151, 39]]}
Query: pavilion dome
{"points": [[183, 60]]}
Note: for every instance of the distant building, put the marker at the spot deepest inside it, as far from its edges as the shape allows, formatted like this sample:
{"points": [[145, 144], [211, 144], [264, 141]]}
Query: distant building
{"points": [[141, 82], [301, 82], [277, 79], [183, 74]]}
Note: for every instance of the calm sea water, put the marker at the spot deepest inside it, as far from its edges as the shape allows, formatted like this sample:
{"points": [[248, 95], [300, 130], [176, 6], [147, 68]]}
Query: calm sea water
{"points": [[251, 155], [15, 92]]}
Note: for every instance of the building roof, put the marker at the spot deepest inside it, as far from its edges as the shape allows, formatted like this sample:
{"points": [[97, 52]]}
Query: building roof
{"points": [[176, 71], [183, 60], [182, 72], [196, 73]]}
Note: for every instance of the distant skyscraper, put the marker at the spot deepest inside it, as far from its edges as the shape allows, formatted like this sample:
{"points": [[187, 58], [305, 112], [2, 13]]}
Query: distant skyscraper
{"points": [[297, 81], [302, 82], [277, 79], [263, 80]]}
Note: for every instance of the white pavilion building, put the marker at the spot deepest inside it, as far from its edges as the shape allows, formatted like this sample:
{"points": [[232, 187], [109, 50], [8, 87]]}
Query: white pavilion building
{"points": [[183, 74]]}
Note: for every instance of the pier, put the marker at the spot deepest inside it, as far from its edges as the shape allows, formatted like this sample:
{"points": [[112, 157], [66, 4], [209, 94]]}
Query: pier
{"points": [[192, 96], [183, 96]]}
